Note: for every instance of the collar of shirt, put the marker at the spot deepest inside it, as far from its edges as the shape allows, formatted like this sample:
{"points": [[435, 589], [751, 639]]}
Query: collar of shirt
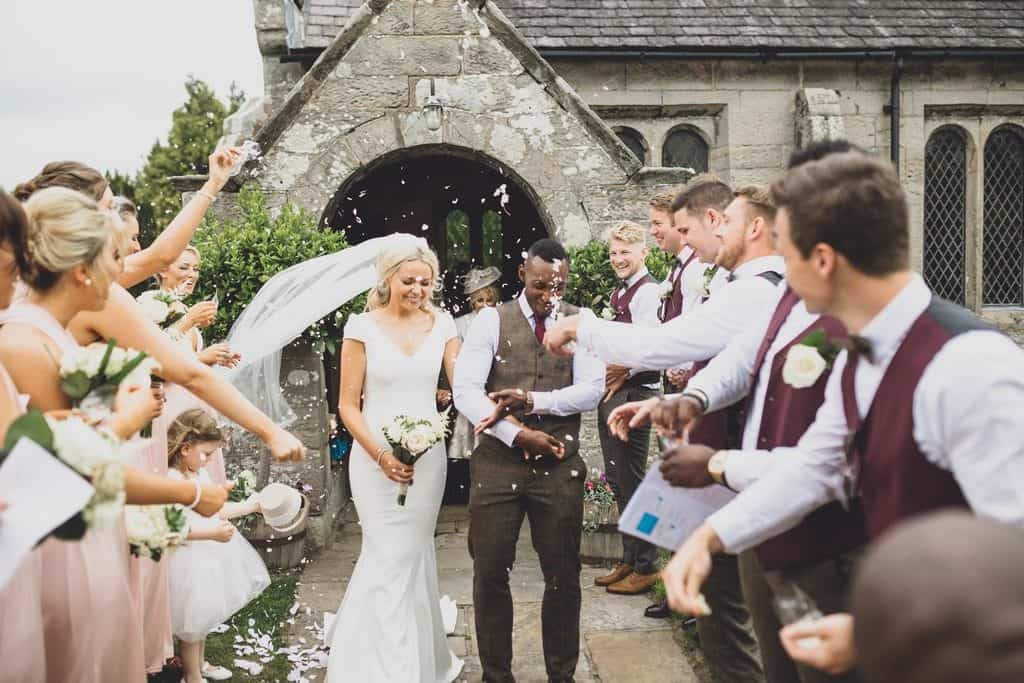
{"points": [[635, 277], [760, 265], [524, 306], [684, 253], [887, 330]]}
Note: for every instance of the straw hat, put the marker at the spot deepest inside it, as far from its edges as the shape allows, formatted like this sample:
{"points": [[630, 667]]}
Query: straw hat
{"points": [[284, 509], [478, 278]]}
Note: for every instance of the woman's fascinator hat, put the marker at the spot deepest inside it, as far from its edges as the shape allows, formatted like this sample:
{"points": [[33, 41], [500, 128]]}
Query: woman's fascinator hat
{"points": [[478, 278]]}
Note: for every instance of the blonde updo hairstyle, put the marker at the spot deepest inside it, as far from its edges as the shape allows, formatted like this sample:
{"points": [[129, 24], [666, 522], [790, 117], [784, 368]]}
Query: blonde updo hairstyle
{"points": [[66, 229], [388, 264]]}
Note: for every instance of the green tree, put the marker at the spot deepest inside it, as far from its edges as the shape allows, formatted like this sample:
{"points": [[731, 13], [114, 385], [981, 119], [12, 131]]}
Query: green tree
{"points": [[195, 128]]}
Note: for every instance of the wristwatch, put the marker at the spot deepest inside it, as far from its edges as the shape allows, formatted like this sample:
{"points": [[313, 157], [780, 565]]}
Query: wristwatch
{"points": [[716, 467], [529, 401]]}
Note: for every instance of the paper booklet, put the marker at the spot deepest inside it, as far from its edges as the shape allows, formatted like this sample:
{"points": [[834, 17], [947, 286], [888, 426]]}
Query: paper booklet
{"points": [[41, 494], [665, 515]]}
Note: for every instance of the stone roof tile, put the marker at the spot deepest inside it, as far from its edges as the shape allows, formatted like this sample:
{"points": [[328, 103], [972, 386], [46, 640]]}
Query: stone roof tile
{"points": [[682, 24]]}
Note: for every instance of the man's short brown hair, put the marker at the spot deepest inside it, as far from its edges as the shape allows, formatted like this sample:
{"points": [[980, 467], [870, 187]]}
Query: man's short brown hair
{"points": [[663, 202], [854, 204], [759, 201], [704, 191]]}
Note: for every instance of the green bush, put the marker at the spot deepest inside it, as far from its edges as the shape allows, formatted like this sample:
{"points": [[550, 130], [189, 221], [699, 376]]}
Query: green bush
{"points": [[241, 254], [591, 278]]}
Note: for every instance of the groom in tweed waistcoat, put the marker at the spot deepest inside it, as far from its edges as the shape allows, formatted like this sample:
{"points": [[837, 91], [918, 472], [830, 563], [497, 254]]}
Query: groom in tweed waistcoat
{"points": [[527, 463]]}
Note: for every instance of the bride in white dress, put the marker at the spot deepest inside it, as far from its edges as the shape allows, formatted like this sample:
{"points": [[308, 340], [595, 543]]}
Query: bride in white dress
{"points": [[389, 627]]}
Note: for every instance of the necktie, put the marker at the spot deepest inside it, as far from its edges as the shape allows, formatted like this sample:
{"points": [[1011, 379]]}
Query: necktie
{"points": [[539, 328]]}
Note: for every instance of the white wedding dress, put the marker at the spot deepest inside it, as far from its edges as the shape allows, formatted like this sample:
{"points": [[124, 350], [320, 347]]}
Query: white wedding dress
{"points": [[389, 628]]}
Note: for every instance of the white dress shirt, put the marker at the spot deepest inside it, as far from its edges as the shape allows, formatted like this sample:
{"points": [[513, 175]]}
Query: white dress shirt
{"points": [[643, 307], [473, 366], [727, 378], [695, 336], [967, 419], [692, 276]]}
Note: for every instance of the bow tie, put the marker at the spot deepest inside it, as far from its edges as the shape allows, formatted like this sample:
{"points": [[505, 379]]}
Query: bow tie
{"points": [[856, 345], [731, 277]]}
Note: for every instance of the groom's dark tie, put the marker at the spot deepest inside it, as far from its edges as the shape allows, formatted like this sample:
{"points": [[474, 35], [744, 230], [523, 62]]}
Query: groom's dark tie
{"points": [[539, 328]]}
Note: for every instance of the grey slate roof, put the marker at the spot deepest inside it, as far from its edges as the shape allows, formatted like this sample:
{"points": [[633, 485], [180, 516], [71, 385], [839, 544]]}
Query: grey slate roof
{"points": [[737, 24]]}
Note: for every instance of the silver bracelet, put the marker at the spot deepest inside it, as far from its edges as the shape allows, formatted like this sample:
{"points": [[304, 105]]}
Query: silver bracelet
{"points": [[199, 494], [380, 454], [204, 193]]}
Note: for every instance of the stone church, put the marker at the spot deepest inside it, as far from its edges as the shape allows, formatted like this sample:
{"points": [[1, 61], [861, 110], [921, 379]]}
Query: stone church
{"points": [[484, 124]]}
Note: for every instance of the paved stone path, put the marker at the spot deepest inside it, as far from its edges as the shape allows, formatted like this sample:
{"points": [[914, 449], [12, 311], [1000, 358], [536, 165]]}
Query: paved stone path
{"points": [[619, 645]]}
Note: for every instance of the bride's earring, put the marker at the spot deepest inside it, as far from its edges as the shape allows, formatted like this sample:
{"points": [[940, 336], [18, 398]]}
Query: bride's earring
{"points": [[88, 282]]}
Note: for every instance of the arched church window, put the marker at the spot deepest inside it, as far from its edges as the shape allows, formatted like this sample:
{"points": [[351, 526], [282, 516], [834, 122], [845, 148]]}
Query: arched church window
{"points": [[1003, 233], [457, 237], [685, 148], [634, 140], [945, 212]]}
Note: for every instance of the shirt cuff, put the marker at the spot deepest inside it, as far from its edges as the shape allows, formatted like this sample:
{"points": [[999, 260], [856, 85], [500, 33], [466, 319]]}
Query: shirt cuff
{"points": [[730, 524], [505, 431], [542, 401], [743, 468], [584, 327]]}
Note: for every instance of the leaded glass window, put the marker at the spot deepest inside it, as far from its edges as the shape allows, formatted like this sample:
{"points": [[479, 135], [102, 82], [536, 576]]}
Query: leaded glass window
{"points": [[684, 148], [945, 213], [1003, 243]]}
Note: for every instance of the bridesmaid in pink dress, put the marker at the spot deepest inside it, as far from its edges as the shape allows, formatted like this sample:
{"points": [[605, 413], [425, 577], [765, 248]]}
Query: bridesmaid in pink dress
{"points": [[72, 261], [21, 612]]}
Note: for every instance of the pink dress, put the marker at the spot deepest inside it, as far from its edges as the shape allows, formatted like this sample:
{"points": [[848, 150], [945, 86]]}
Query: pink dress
{"points": [[21, 610], [92, 632]]}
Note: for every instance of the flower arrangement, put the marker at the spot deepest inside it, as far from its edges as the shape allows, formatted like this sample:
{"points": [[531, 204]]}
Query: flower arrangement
{"points": [[598, 493], [87, 451], [155, 529], [163, 308], [411, 437], [709, 274], [665, 289]]}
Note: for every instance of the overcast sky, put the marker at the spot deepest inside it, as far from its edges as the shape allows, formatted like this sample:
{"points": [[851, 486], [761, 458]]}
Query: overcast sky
{"points": [[97, 80]]}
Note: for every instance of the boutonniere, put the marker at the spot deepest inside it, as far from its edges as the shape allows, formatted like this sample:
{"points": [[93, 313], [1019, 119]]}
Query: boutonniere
{"points": [[709, 275], [608, 313], [806, 361], [665, 289]]}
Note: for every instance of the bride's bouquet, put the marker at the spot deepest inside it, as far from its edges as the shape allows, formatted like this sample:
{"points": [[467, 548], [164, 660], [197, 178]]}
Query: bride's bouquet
{"points": [[90, 375], [411, 437], [163, 308], [85, 450], [155, 529]]}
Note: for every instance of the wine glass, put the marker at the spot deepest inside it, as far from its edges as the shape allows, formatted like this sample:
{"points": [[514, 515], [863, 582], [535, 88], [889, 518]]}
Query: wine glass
{"points": [[248, 151]]}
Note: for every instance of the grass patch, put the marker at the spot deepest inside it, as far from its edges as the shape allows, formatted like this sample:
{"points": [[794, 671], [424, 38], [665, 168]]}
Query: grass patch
{"points": [[269, 613]]}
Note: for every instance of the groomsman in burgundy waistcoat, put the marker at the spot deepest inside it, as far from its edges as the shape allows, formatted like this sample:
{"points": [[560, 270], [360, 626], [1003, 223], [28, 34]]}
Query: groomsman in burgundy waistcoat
{"points": [[921, 412], [818, 554], [634, 301]]}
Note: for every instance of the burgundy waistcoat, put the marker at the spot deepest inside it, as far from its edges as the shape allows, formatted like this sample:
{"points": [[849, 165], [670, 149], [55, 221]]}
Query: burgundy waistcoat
{"points": [[672, 306], [722, 429], [620, 301], [895, 480], [786, 414]]}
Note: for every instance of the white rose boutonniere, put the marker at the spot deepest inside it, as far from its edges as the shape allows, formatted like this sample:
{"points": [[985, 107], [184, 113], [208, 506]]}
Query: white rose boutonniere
{"points": [[665, 289], [608, 313], [808, 360]]}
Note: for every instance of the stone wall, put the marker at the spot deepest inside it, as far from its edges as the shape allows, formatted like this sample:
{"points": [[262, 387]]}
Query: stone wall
{"points": [[747, 111]]}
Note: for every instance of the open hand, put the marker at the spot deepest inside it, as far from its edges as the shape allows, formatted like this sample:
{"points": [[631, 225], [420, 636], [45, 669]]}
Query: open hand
{"points": [[535, 442], [687, 466], [631, 416], [686, 572], [284, 446], [221, 162], [559, 337], [220, 354], [826, 644], [677, 416]]}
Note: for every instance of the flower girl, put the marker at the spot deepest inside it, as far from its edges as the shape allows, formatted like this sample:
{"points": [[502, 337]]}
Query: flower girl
{"points": [[217, 572]]}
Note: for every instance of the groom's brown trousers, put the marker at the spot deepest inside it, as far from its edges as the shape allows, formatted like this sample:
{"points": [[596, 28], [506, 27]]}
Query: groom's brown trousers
{"points": [[505, 488]]}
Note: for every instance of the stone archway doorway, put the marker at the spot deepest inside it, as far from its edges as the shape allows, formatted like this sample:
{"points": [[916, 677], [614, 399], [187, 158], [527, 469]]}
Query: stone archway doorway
{"points": [[473, 210]]}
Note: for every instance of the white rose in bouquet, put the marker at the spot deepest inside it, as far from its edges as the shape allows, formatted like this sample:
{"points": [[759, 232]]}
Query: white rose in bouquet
{"points": [[155, 310], [803, 366], [665, 289], [93, 455], [418, 440], [607, 313], [116, 362]]}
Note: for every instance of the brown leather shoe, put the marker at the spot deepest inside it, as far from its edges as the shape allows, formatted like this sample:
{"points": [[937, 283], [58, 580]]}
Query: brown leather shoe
{"points": [[634, 584], [620, 572]]}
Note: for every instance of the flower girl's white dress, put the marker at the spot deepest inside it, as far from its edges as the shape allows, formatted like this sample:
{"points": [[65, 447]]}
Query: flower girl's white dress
{"points": [[210, 580]]}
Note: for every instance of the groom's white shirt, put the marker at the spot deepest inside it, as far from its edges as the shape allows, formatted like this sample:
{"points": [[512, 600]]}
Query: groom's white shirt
{"points": [[473, 366]]}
